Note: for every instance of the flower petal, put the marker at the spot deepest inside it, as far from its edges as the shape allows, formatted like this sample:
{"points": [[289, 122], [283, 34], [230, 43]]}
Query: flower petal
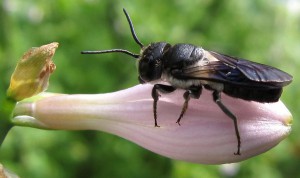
{"points": [[206, 134]]}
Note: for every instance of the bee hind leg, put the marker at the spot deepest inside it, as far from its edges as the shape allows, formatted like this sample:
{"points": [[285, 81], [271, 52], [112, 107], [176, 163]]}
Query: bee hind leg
{"points": [[217, 99]]}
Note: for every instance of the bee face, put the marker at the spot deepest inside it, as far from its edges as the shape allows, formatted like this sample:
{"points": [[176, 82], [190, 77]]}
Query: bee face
{"points": [[150, 63]]}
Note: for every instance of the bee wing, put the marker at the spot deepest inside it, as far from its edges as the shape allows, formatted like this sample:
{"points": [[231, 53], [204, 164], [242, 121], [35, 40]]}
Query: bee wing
{"points": [[224, 68], [214, 71], [255, 71]]}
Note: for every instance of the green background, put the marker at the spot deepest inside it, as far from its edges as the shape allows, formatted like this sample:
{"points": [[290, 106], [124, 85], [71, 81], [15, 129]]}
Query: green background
{"points": [[263, 31]]}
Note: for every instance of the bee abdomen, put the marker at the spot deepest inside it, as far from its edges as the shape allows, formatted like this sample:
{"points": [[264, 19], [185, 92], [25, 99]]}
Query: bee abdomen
{"points": [[259, 94]]}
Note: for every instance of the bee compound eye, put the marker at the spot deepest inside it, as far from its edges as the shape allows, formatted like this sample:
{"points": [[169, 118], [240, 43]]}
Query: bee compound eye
{"points": [[150, 69], [143, 69]]}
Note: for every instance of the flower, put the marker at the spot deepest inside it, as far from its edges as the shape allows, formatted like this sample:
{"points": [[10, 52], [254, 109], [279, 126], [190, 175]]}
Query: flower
{"points": [[32, 73], [206, 135]]}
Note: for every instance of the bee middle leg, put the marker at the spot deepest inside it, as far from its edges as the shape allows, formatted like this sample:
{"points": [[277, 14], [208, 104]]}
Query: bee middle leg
{"points": [[155, 95], [192, 92]]}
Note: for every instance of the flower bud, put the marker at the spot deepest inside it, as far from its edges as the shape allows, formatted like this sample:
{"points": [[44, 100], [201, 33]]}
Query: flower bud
{"points": [[32, 73], [206, 135]]}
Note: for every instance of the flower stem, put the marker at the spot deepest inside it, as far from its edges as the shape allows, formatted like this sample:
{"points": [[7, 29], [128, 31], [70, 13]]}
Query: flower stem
{"points": [[7, 107]]}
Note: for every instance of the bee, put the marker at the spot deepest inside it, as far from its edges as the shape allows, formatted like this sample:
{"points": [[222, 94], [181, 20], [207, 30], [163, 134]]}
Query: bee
{"points": [[192, 68]]}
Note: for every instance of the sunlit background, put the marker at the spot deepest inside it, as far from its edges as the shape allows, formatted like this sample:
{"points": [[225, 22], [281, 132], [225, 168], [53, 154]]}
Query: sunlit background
{"points": [[262, 31]]}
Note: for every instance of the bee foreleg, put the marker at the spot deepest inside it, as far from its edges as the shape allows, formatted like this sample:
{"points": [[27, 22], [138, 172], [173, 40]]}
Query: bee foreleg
{"points": [[217, 99], [155, 95]]}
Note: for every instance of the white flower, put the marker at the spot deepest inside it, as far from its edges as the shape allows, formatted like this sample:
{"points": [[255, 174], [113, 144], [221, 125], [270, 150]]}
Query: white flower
{"points": [[206, 134]]}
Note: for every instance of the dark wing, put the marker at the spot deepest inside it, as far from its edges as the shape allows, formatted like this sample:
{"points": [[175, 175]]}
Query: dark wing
{"points": [[224, 68], [255, 71]]}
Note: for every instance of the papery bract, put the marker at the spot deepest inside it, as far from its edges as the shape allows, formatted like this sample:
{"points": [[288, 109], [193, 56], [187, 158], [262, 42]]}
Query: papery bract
{"points": [[32, 72]]}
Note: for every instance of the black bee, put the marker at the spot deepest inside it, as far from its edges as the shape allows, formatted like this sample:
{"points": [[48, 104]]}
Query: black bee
{"points": [[189, 67]]}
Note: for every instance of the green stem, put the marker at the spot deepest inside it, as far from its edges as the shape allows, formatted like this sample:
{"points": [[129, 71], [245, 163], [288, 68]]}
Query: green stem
{"points": [[7, 107], [4, 128]]}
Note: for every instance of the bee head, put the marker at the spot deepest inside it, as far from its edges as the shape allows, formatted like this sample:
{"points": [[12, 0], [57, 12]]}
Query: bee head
{"points": [[150, 63]]}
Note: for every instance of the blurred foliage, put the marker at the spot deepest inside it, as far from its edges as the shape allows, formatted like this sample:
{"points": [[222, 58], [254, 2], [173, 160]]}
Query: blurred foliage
{"points": [[263, 31]]}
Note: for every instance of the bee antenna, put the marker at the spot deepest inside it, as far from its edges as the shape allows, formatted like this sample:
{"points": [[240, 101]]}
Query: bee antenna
{"points": [[132, 29], [112, 51], [121, 50]]}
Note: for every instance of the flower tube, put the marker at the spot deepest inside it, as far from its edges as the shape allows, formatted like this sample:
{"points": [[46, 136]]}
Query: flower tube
{"points": [[206, 135]]}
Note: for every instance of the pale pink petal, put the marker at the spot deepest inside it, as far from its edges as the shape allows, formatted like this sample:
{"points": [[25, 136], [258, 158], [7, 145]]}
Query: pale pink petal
{"points": [[206, 134]]}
